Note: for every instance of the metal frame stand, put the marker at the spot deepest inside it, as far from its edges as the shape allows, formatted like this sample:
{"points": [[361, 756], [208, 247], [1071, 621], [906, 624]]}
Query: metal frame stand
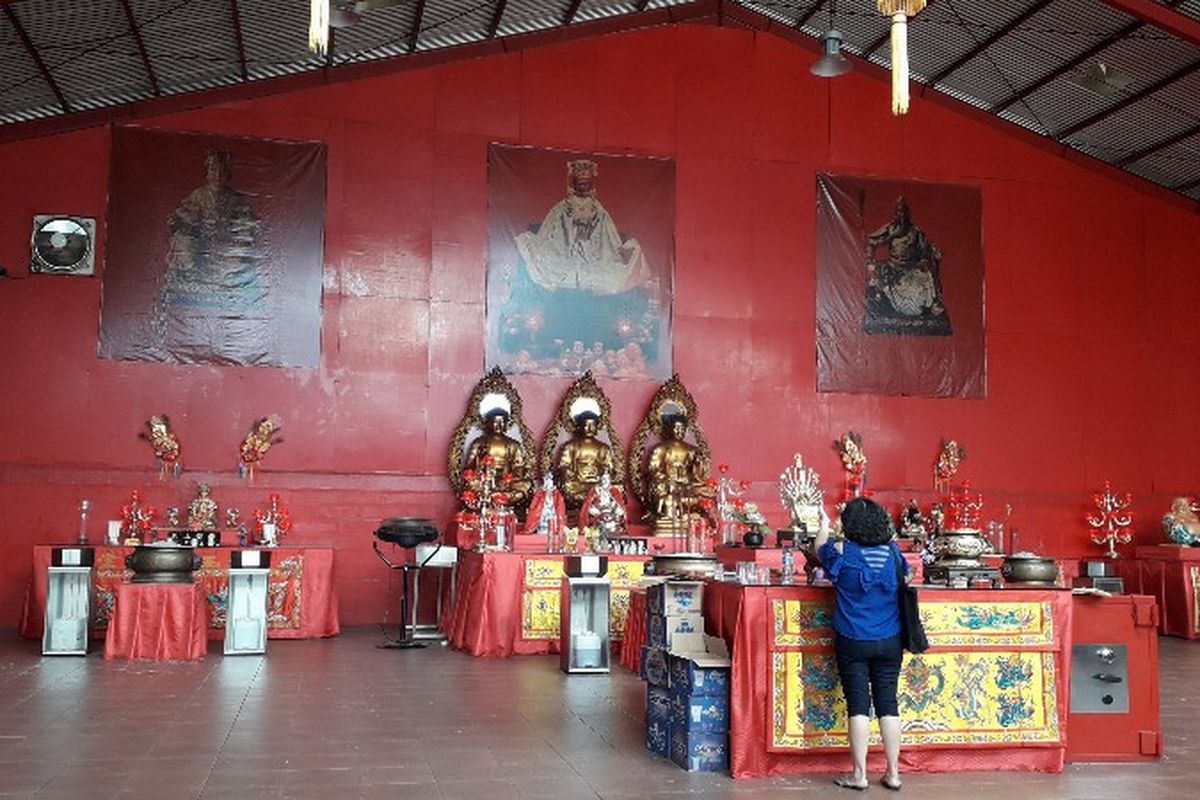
{"points": [[407, 640]]}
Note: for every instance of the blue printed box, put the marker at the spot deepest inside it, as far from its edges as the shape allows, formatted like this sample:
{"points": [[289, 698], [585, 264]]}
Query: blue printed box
{"points": [[658, 738], [654, 666], [661, 629], [658, 721], [703, 752], [699, 666], [675, 597], [699, 713]]}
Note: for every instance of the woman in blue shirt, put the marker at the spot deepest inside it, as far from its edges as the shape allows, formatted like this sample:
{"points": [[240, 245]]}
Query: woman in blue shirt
{"points": [[866, 619]]}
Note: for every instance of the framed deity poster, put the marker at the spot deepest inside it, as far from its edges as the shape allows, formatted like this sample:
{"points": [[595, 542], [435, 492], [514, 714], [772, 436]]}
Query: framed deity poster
{"points": [[580, 263], [214, 250], [899, 288]]}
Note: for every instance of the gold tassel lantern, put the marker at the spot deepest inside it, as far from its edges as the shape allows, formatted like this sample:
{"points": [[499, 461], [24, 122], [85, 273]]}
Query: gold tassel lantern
{"points": [[318, 26], [900, 11]]}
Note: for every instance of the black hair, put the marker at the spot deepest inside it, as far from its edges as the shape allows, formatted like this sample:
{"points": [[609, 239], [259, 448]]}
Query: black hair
{"points": [[496, 412], [669, 420], [867, 523], [586, 415]]}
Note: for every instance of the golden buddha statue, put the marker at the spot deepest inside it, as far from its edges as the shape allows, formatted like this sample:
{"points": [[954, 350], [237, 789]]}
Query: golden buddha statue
{"points": [[584, 458], [677, 477], [497, 457]]}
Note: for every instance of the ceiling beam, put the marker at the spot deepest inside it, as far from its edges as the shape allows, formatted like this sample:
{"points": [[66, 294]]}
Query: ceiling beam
{"points": [[1063, 69], [136, 33], [415, 33], [803, 19], [572, 10], [37, 58], [1138, 155], [1162, 16], [494, 25], [995, 36], [236, 15], [1162, 83]]}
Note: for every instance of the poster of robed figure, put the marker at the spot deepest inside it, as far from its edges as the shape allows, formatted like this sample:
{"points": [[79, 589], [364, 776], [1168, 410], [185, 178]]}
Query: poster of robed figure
{"points": [[899, 288], [214, 250], [580, 259]]}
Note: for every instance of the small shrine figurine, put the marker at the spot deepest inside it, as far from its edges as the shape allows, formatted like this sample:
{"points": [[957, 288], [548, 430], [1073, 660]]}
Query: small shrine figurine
{"points": [[232, 517], [1180, 524], [202, 511], [172, 517], [165, 444], [912, 522], [801, 496], [547, 514], [947, 464], [854, 461], [604, 510], [256, 444]]}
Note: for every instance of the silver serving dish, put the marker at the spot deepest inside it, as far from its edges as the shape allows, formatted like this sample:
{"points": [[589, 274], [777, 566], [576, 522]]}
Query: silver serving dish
{"points": [[960, 548], [695, 564], [1029, 568], [157, 564]]}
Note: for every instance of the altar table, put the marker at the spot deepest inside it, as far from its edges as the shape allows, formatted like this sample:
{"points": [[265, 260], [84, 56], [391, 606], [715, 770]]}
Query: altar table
{"points": [[508, 603], [1171, 574], [301, 602], [158, 621], [990, 693]]}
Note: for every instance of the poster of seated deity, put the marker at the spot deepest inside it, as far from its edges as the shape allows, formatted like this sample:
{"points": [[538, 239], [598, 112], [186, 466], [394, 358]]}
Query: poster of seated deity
{"points": [[899, 288], [580, 263], [214, 251]]}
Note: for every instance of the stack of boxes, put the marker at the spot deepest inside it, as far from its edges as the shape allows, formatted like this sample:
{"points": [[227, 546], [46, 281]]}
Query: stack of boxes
{"points": [[687, 675]]}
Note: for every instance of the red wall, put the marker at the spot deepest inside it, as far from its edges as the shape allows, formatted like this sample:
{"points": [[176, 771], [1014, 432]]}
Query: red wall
{"points": [[1089, 283]]}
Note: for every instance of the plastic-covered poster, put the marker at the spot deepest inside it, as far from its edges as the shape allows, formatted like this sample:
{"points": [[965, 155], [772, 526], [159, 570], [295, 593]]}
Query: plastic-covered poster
{"points": [[214, 250], [580, 259], [899, 288]]}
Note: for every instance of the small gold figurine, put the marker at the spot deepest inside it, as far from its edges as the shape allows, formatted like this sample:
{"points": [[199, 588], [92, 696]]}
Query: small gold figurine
{"points": [[165, 444], [257, 443], [202, 511], [947, 464]]}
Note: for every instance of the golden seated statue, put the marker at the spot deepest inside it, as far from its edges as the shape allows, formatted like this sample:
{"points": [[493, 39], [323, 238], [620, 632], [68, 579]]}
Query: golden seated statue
{"points": [[579, 462], [671, 479]]}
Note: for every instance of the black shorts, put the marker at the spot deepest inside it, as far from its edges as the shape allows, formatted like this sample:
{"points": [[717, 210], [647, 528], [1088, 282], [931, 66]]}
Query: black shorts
{"points": [[870, 673]]}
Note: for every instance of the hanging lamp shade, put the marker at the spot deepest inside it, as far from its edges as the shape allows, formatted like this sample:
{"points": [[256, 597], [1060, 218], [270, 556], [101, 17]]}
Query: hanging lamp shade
{"points": [[318, 26], [831, 63], [900, 11]]}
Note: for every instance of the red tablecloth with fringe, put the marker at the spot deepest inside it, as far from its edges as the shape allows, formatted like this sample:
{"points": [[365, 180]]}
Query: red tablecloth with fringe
{"points": [[158, 622], [635, 632], [742, 616]]}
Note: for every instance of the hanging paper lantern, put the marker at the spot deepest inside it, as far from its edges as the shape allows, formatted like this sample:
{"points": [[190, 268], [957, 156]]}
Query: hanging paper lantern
{"points": [[318, 26], [900, 11]]}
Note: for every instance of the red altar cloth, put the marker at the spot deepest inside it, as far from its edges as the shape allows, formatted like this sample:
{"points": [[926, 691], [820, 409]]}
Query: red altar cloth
{"points": [[741, 615], [301, 602], [1171, 574], [635, 632], [508, 603], [159, 622]]}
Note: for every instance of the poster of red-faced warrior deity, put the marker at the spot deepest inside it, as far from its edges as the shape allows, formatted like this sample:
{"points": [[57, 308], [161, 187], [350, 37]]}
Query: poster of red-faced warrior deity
{"points": [[580, 259], [214, 250], [899, 288]]}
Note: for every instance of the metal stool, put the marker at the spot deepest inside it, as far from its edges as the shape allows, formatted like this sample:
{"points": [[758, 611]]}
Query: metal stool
{"points": [[406, 532]]}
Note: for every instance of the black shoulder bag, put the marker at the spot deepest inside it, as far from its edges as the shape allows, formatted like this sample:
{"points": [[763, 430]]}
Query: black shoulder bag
{"points": [[912, 632]]}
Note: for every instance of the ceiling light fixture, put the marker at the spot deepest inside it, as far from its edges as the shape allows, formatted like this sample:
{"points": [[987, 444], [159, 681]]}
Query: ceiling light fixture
{"points": [[831, 63]]}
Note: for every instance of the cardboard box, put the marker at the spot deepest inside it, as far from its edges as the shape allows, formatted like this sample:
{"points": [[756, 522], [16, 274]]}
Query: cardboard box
{"points": [[699, 666], [675, 597], [700, 752], [661, 629], [654, 666], [707, 714], [658, 738]]}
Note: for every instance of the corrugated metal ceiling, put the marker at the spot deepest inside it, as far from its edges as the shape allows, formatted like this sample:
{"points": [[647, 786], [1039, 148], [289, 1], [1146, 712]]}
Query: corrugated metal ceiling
{"points": [[1030, 62]]}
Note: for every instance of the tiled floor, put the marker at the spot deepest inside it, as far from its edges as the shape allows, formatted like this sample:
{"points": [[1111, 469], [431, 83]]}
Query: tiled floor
{"points": [[341, 719]]}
